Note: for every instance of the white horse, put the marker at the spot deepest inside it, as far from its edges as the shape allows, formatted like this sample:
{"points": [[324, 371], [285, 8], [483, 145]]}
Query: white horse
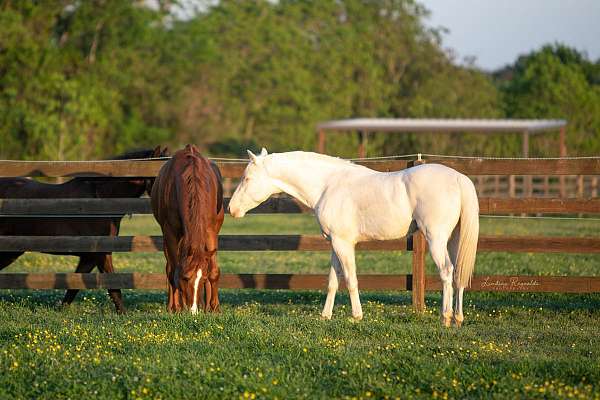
{"points": [[353, 203]]}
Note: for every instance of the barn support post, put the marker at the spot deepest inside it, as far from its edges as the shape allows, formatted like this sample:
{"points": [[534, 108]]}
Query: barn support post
{"points": [[562, 153], [321, 141], [363, 138]]}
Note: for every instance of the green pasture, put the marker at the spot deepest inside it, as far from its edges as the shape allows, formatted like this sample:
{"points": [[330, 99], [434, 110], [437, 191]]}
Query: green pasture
{"points": [[272, 344]]}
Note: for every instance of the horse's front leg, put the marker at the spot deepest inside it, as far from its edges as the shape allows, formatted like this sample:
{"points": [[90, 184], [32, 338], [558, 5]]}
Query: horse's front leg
{"points": [[335, 274], [345, 254], [174, 303], [214, 273]]}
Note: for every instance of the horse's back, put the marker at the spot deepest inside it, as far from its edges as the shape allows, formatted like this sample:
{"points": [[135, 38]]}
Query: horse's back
{"points": [[21, 188], [374, 205], [14, 187], [365, 205], [186, 170]]}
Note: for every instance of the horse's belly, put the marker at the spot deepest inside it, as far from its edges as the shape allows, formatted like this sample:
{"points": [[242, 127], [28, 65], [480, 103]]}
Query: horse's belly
{"points": [[384, 227]]}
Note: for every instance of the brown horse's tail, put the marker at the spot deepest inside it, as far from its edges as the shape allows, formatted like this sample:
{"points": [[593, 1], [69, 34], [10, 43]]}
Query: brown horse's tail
{"points": [[194, 187]]}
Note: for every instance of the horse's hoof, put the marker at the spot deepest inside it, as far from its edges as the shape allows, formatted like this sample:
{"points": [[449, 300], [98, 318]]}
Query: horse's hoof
{"points": [[458, 322], [447, 321], [357, 318], [214, 310], [325, 317], [60, 305]]}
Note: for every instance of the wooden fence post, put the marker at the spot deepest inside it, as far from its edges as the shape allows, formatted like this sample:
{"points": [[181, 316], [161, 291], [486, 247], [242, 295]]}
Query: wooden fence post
{"points": [[511, 186], [227, 187], [418, 271], [417, 245]]}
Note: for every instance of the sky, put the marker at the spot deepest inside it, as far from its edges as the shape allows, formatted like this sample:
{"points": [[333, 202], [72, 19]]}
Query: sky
{"points": [[496, 32]]}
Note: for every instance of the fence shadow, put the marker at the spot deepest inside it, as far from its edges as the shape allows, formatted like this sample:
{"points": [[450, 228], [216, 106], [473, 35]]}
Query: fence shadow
{"points": [[475, 301]]}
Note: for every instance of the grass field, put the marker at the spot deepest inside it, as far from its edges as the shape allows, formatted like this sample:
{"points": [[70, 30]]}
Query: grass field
{"points": [[271, 344]]}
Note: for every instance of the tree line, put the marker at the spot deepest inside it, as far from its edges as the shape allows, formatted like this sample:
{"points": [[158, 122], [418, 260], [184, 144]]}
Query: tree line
{"points": [[85, 80]]}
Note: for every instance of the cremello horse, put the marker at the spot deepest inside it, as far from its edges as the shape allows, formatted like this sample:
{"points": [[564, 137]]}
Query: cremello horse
{"points": [[353, 203]]}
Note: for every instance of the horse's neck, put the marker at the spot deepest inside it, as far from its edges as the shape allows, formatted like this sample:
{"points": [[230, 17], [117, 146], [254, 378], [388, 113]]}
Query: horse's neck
{"points": [[305, 180]]}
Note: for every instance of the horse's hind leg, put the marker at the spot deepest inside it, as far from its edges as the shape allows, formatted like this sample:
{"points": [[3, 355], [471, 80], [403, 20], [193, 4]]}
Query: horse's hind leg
{"points": [[439, 254], [8, 258], [458, 307], [458, 295], [335, 274], [85, 265], [105, 266]]}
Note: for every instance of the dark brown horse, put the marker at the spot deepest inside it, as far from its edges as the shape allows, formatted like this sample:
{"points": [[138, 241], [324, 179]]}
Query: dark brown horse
{"points": [[22, 188], [187, 201]]}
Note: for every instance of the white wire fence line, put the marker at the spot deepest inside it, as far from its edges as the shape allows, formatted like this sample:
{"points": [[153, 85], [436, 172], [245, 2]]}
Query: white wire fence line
{"points": [[130, 215], [382, 158]]}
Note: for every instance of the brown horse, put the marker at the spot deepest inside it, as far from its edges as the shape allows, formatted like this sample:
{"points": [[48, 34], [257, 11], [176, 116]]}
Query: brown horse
{"points": [[187, 202], [22, 188]]}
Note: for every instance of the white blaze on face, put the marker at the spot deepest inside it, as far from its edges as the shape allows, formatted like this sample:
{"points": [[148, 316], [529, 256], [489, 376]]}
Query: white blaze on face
{"points": [[194, 308]]}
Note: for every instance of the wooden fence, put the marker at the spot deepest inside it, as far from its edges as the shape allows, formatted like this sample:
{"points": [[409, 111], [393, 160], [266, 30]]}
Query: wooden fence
{"points": [[418, 282], [539, 186]]}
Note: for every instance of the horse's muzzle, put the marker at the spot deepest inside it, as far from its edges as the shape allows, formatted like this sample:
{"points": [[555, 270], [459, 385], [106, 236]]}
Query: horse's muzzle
{"points": [[236, 212]]}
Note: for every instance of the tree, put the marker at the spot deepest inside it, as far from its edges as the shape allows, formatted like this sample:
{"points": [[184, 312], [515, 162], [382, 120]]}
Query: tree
{"points": [[556, 82], [84, 79], [282, 67]]}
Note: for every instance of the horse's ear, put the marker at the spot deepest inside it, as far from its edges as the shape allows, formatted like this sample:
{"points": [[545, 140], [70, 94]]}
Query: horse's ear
{"points": [[263, 152], [156, 152], [253, 157]]}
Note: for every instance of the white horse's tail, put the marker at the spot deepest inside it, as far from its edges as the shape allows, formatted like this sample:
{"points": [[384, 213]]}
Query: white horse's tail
{"points": [[463, 243]]}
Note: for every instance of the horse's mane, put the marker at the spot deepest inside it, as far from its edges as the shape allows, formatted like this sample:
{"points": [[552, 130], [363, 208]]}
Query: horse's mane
{"points": [[310, 156]]}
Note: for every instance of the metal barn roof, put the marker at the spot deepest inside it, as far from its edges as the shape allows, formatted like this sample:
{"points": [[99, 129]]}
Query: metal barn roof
{"points": [[442, 125]]}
